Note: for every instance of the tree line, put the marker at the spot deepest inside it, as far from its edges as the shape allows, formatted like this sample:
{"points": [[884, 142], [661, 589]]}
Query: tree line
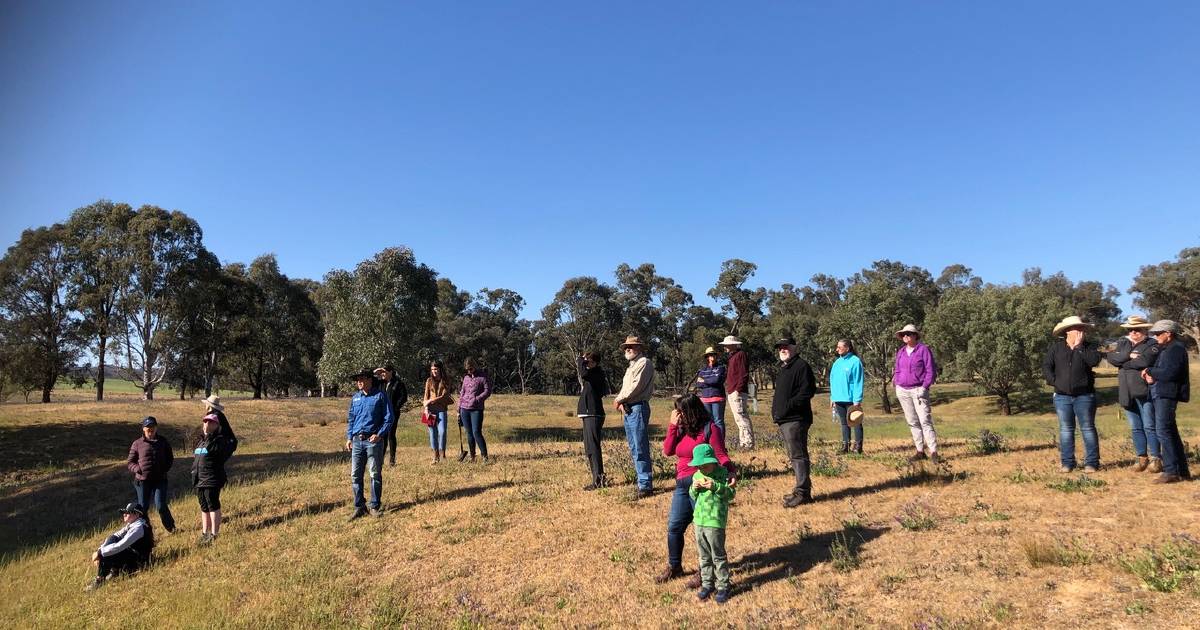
{"points": [[138, 292]]}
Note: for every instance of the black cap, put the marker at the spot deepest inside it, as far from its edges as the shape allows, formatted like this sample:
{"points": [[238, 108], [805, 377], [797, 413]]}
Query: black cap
{"points": [[786, 341], [363, 373], [149, 421], [134, 508]]}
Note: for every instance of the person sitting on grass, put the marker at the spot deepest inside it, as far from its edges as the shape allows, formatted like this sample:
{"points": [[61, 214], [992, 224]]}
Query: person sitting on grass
{"points": [[125, 550], [712, 492]]}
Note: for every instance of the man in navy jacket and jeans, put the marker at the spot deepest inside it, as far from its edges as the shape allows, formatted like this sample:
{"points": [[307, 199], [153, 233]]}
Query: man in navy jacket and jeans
{"points": [[367, 424], [1169, 386]]}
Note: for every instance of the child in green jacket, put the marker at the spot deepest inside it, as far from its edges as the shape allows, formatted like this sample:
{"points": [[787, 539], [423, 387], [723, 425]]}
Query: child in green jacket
{"points": [[711, 493]]}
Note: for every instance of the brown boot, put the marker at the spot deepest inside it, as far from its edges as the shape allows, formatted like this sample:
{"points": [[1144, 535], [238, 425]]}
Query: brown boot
{"points": [[694, 581], [668, 574], [1165, 478], [1155, 465], [1141, 463]]}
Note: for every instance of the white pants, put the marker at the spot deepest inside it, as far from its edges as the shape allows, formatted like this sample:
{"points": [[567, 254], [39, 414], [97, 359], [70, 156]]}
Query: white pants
{"points": [[737, 404], [915, 402]]}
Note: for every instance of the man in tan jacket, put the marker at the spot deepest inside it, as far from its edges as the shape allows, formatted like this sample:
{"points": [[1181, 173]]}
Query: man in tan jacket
{"points": [[633, 401]]}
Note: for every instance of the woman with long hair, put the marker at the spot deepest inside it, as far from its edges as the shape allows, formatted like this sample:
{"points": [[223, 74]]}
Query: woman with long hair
{"points": [[690, 425], [437, 401], [846, 393]]}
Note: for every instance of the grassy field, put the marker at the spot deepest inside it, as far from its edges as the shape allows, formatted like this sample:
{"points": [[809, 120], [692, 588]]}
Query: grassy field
{"points": [[989, 540]]}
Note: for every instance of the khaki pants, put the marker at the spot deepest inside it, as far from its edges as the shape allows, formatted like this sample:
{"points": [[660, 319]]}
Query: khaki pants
{"points": [[915, 402], [737, 404]]}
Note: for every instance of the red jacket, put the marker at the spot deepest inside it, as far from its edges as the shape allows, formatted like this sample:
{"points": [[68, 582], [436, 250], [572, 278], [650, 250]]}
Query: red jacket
{"points": [[737, 374]]}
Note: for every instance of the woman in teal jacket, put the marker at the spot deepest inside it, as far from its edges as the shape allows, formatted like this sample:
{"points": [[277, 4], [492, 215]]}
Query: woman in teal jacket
{"points": [[846, 392]]}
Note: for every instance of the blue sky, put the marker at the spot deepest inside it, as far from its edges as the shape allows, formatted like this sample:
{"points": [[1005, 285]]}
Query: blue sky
{"points": [[517, 144]]}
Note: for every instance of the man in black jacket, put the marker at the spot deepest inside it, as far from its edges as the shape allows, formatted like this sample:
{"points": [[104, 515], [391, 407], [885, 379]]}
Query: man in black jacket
{"points": [[397, 395], [792, 411], [1169, 386], [1133, 354], [1068, 369]]}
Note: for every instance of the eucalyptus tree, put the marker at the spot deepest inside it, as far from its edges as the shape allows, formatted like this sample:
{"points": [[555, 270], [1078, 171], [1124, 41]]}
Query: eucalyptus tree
{"points": [[1171, 290]]}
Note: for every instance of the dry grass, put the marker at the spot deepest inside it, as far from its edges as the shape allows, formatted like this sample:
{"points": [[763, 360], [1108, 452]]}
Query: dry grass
{"points": [[518, 543]]}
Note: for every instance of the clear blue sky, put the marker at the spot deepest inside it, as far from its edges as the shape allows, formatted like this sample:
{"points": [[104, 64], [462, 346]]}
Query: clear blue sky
{"points": [[516, 144]]}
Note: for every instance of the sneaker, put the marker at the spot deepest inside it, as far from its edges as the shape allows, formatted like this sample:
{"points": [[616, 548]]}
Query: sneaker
{"points": [[918, 456], [643, 493], [796, 500], [358, 513], [205, 540], [668, 574], [94, 584], [858, 448], [375, 512], [1066, 469], [1090, 469], [934, 459], [722, 596], [704, 592]]}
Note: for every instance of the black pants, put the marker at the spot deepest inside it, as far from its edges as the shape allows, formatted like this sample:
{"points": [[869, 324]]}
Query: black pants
{"points": [[126, 561], [389, 442], [795, 438], [591, 446]]}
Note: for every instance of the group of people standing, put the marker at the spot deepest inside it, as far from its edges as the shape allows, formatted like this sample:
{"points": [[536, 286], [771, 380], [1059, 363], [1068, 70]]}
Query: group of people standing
{"points": [[149, 462], [1152, 378]]}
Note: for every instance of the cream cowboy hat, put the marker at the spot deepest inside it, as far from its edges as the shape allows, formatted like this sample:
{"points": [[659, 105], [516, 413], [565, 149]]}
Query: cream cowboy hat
{"points": [[213, 402], [1073, 321], [730, 340], [1136, 322], [908, 328], [632, 341]]}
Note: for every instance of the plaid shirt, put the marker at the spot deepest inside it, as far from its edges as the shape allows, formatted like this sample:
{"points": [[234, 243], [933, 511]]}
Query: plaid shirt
{"points": [[712, 504]]}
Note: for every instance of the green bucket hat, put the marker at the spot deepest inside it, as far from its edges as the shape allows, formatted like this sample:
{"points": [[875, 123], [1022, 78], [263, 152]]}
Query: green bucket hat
{"points": [[701, 455]]}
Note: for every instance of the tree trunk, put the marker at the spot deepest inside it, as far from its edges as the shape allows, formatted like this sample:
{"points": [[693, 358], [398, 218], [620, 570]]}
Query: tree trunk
{"points": [[100, 368], [183, 391], [209, 368], [46, 389], [883, 395], [1005, 405]]}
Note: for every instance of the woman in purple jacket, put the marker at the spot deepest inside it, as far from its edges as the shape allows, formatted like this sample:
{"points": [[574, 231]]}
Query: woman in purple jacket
{"points": [[476, 388], [913, 375], [710, 386]]}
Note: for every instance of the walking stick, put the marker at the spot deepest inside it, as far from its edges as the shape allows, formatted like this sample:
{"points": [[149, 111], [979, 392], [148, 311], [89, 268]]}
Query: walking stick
{"points": [[462, 452]]}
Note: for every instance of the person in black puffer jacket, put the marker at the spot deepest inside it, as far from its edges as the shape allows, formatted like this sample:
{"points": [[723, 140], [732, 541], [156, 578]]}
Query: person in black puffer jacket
{"points": [[1133, 354], [593, 388], [1068, 369], [217, 442]]}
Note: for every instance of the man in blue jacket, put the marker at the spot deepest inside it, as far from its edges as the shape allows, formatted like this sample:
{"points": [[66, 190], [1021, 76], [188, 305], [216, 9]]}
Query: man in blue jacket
{"points": [[1169, 386], [368, 422]]}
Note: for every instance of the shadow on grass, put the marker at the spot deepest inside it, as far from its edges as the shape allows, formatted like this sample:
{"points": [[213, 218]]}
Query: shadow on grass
{"points": [[562, 434], [457, 493], [1024, 448], [34, 449], [917, 475], [1042, 402], [310, 509], [793, 560], [64, 504]]}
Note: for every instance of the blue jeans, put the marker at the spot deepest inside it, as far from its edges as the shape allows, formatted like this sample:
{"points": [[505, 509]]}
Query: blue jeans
{"points": [[842, 409], [158, 491], [717, 411], [437, 432], [472, 421], [637, 417], [368, 455], [678, 520], [1140, 413], [1079, 410], [1174, 457]]}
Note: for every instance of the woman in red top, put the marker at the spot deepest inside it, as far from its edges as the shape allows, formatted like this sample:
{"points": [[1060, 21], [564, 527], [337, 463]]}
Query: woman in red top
{"points": [[691, 424]]}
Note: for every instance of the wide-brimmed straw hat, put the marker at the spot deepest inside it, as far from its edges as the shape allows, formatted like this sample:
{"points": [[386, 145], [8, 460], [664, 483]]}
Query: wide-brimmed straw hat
{"points": [[710, 350], [908, 328], [1136, 322], [855, 418], [730, 340], [631, 341], [213, 402], [1068, 323]]}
